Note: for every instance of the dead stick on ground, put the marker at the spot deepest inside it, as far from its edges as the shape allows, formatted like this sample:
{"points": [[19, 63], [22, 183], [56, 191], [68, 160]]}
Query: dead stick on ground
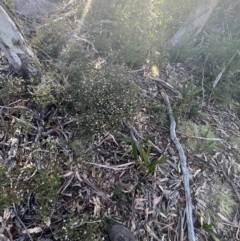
{"points": [[191, 235]]}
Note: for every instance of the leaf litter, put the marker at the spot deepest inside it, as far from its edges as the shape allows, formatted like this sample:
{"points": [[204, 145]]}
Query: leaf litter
{"points": [[104, 180]]}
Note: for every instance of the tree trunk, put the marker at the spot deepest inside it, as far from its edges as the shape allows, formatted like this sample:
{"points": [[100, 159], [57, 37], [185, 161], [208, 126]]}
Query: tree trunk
{"points": [[195, 22], [15, 48]]}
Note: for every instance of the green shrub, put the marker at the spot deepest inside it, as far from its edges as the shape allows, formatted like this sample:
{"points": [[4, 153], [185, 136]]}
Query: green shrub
{"points": [[215, 49], [82, 227], [101, 97], [8, 193], [10, 90], [156, 110], [49, 38], [18, 183], [134, 35], [189, 103], [47, 90]]}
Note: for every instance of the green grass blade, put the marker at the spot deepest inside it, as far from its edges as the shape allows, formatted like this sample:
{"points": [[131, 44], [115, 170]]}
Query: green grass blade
{"points": [[143, 154], [134, 149], [152, 166]]}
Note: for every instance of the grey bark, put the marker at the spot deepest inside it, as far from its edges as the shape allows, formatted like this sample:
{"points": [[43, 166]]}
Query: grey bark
{"points": [[13, 45], [183, 161], [194, 22]]}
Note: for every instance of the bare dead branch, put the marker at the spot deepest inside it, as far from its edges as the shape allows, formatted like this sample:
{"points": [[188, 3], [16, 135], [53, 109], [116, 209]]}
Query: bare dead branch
{"points": [[191, 235]]}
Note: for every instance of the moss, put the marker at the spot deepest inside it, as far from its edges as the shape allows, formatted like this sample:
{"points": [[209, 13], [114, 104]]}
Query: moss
{"points": [[8, 192], [102, 43], [156, 110], [225, 203], [192, 130], [235, 141], [44, 187], [83, 227], [222, 201], [22, 180], [118, 193]]}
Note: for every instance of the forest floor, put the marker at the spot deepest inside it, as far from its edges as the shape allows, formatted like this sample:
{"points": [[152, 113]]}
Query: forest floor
{"points": [[60, 188], [103, 179]]}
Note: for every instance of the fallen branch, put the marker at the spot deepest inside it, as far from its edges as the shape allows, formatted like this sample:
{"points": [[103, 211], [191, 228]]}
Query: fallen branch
{"points": [[191, 235], [166, 85], [21, 222]]}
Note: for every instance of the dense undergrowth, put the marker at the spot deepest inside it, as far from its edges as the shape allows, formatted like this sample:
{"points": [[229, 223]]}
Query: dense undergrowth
{"points": [[91, 83], [214, 53]]}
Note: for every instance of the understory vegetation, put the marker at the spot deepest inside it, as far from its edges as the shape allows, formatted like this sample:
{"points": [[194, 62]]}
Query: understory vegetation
{"points": [[95, 61]]}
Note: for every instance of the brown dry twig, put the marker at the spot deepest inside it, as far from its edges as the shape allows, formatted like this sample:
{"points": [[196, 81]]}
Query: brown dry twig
{"points": [[191, 235], [166, 85], [115, 167], [199, 137], [21, 222]]}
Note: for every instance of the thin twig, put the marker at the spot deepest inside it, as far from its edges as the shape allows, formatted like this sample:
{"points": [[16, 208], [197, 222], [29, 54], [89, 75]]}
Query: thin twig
{"points": [[166, 85], [86, 41], [39, 132], [19, 219], [135, 71], [203, 90], [116, 168], [200, 138], [191, 235]]}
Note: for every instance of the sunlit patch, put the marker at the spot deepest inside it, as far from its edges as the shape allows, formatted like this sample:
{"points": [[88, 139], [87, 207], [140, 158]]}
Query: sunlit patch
{"points": [[85, 12], [155, 70]]}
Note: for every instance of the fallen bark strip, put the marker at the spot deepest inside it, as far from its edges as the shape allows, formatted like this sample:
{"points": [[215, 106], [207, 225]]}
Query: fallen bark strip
{"points": [[191, 235], [12, 43], [166, 85]]}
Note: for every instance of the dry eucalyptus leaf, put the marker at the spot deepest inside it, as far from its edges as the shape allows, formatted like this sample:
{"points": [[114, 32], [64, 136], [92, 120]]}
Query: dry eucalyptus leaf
{"points": [[33, 230]]}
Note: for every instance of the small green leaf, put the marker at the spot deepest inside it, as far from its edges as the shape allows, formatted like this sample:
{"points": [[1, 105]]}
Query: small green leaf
{"points": [[134, 149], [145, 141], [209, 229], [143, 154], [194, 92], [152, 165], [125, 138], [149, 150]]}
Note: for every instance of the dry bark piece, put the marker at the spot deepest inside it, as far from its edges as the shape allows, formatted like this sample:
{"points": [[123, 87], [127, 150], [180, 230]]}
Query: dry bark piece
{"points": [[120, 233], [15, 48]]}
